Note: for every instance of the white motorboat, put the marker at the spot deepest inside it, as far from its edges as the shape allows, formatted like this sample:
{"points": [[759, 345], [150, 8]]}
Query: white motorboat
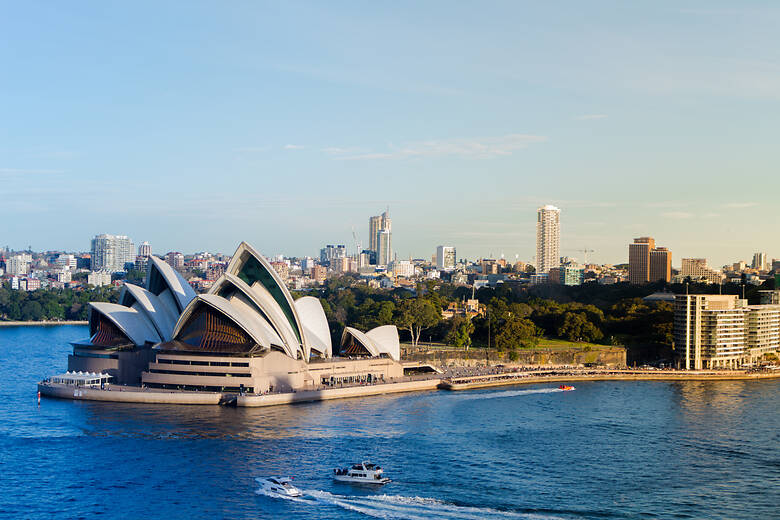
{"points": [[279, 486], [363, 473]]}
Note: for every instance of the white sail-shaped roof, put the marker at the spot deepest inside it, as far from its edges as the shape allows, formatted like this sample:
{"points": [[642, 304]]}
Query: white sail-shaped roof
{"points": [[378, 341], [160, 313], [263, 303], [161, 277], [253, 268], [241, 315], [132, 323], [387, 341], [315, 325]]}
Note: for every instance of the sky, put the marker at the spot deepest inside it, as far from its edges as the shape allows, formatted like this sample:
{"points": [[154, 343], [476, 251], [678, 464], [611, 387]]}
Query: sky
{"points": [[196, 125]]}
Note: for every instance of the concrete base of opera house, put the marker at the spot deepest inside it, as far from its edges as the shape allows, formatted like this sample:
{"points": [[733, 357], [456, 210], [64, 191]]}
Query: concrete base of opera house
{"points": [[131, 394]]}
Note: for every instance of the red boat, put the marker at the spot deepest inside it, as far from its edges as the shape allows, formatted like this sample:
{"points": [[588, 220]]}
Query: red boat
{"points": [[566, 388]]}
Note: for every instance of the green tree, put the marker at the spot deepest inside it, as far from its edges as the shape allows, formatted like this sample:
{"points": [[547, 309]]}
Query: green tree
{"points": [[460, 332], [517, 332], [416, 315], [576, 327]]}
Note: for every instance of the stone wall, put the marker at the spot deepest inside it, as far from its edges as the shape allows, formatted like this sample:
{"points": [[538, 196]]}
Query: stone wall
{"points": [[608, 356]]}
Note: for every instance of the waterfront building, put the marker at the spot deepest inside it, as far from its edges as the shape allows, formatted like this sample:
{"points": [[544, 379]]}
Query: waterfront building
{"points": [[445, 257], [697, 269], [246, 334], [762, 323], [112, 252], [548, 236], [709, 331]]}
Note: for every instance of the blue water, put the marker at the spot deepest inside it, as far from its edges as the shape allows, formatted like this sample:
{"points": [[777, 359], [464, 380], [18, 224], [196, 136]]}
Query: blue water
{"points": [[606, 450]]}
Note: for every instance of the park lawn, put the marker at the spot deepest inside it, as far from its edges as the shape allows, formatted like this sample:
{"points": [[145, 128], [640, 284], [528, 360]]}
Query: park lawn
{"points": [[562, 344]]}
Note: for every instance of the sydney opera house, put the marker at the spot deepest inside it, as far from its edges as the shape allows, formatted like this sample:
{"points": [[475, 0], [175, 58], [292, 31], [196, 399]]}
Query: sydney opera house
{"points": [[246, 334]]}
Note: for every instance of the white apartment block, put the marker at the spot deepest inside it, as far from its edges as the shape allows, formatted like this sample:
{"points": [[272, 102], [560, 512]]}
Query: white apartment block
{"points": [[99, 278], [18, 264], [112, 252], [445, 257], [722, 331], [548, 238]]}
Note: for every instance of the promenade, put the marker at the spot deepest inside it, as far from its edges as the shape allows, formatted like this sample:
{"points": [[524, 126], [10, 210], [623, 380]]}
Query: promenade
{"points": [[41, 323]]}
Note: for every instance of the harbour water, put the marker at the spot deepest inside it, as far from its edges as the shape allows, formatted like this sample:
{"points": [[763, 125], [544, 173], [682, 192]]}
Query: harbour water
{"points": [[607, 450]]}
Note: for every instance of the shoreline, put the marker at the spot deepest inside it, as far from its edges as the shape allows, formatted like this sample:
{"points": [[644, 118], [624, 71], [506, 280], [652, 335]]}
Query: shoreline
{"points": [[41, 323], [477, 382], [140, 395]]}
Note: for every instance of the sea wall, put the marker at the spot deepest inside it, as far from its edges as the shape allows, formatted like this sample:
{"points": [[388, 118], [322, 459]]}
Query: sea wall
{"points": [[607, 356]]}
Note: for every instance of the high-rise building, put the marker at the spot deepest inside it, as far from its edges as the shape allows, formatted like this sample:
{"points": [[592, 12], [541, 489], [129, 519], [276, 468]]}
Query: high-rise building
{"points": [[329, 252], [660, 265], [145, 249], [647, 263], [548, 238], [112, 252], [384, 254], [376, 226], [759, 262], [445, 257], [639, 260]]}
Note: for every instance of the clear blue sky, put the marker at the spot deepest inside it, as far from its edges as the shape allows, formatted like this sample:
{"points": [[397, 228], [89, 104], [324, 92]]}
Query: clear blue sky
{"points": [[195, 125]]}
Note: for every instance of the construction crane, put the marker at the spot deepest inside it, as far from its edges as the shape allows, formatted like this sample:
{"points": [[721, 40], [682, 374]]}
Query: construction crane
{"points": [[585, 252], [358, 245]]}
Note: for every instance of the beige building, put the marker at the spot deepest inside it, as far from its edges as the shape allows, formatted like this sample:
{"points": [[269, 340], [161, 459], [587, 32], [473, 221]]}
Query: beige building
{"points": [[697, 269], [548, 238], [762, 331], [709, 330], [722, 331]]}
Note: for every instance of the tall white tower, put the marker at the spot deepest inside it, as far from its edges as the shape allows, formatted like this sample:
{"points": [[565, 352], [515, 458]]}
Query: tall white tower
{"points": [[548, 238]]}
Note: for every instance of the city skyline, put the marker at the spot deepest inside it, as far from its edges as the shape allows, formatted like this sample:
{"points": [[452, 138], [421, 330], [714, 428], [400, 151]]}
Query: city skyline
{"points": [[131, 140]]}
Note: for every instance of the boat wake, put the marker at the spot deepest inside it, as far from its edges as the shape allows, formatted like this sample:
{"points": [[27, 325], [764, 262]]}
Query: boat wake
{"points": [[411, 508], [512, 393]]}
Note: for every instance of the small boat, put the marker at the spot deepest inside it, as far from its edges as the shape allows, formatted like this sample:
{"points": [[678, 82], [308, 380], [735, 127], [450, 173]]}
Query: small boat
{"points": [[279, 486], [363, 473], [566, 388]]}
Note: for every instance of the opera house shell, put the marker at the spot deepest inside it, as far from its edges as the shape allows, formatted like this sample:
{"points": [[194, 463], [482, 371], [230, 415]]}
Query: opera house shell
{"points": [[245, 334]]}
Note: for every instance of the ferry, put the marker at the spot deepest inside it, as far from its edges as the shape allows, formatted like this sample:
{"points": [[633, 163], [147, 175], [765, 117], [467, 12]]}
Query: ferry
{"points": [[363, 473], [279, 486], [566, 388]]}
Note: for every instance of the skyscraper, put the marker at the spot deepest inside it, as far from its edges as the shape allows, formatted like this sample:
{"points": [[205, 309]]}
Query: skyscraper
{"points": [[660, 265], [759, 262], [445, 257], [384, 254], [112, 252], [548, 238], [380, 229], [639, 260]]}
